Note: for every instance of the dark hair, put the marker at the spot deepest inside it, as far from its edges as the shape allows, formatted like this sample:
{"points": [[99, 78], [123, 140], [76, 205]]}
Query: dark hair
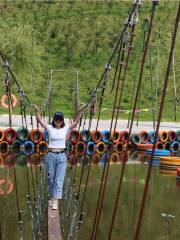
{"points": [[60, 116]]}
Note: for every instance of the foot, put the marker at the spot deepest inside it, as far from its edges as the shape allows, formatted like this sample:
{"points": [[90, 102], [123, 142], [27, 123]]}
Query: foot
{"points": [[55, 205]]}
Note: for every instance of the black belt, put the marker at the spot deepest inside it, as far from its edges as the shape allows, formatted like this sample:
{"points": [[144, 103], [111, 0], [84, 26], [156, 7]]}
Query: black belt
{"points": [[61, 151]]}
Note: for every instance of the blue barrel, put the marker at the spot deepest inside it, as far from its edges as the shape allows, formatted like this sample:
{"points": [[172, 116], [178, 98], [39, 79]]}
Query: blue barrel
{"points": [[151, 136], [90, 148], [105, 136], [28, 148]]}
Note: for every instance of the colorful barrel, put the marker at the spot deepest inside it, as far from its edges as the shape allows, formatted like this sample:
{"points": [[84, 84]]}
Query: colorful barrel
{"points": [[42, 148], [159, 145], [105, 136], [144, 146], [171, 135], [158, 152], [22, 134], [124, 136], [163, 135], [135, 139], [28, 148], [167, 145], [118, 147], [85, 136], [35, 136], [80, 148], [90, 148], [10, 135], [100, 147], [74, 136], [151, 136], [115, 136], [96, 136], [175, 146], [144, 136]]}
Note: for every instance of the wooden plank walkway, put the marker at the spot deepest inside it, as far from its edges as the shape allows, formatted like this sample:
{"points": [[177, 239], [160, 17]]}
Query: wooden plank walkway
{"points": [[54, 230]]}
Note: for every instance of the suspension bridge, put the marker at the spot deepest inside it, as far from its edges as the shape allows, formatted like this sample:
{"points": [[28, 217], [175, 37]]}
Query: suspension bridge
{"points": [[116, 168]]}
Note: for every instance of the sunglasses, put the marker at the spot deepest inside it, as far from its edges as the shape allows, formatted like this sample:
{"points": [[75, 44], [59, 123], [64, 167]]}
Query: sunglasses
{"points": [[57, 118]]}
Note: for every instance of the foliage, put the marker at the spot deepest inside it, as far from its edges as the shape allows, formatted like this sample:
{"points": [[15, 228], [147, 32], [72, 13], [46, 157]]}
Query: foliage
{"points": [[38, 36]]}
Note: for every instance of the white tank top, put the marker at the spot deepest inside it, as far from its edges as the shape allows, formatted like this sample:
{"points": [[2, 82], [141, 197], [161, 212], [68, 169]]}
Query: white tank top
{"points": [[57, 136]]}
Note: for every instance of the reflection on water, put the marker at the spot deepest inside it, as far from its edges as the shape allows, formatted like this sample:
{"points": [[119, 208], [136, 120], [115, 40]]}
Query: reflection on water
{"points": [[23, 196], [82, 186]]}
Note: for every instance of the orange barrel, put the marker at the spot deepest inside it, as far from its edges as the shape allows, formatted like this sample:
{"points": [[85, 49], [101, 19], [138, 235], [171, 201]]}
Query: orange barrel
{"points": [[74, 136], [42, 147], [4, 148], [171, 135], [85, 135], [159, 145], [118, 147], [123, 157], [144, 136], [9, 160], [100, 147], [35, 136], [170, 160], [167, 145], [114, 157], [1, 135], [124, 136], [80, 148], [163, 136], [144, 146], [96, 136], [10, 135], [115, 136], [95, 158]]}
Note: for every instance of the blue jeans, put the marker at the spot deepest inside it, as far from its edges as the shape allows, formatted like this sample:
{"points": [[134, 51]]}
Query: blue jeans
{"points": [[56, 169]]}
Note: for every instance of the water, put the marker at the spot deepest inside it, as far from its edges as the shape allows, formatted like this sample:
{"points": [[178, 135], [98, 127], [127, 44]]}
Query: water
{"points": [[23, 215], [161, 213]]}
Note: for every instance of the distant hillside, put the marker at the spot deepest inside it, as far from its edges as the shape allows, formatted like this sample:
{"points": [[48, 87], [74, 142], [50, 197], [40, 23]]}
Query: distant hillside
{"points": [[38, 36]]}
